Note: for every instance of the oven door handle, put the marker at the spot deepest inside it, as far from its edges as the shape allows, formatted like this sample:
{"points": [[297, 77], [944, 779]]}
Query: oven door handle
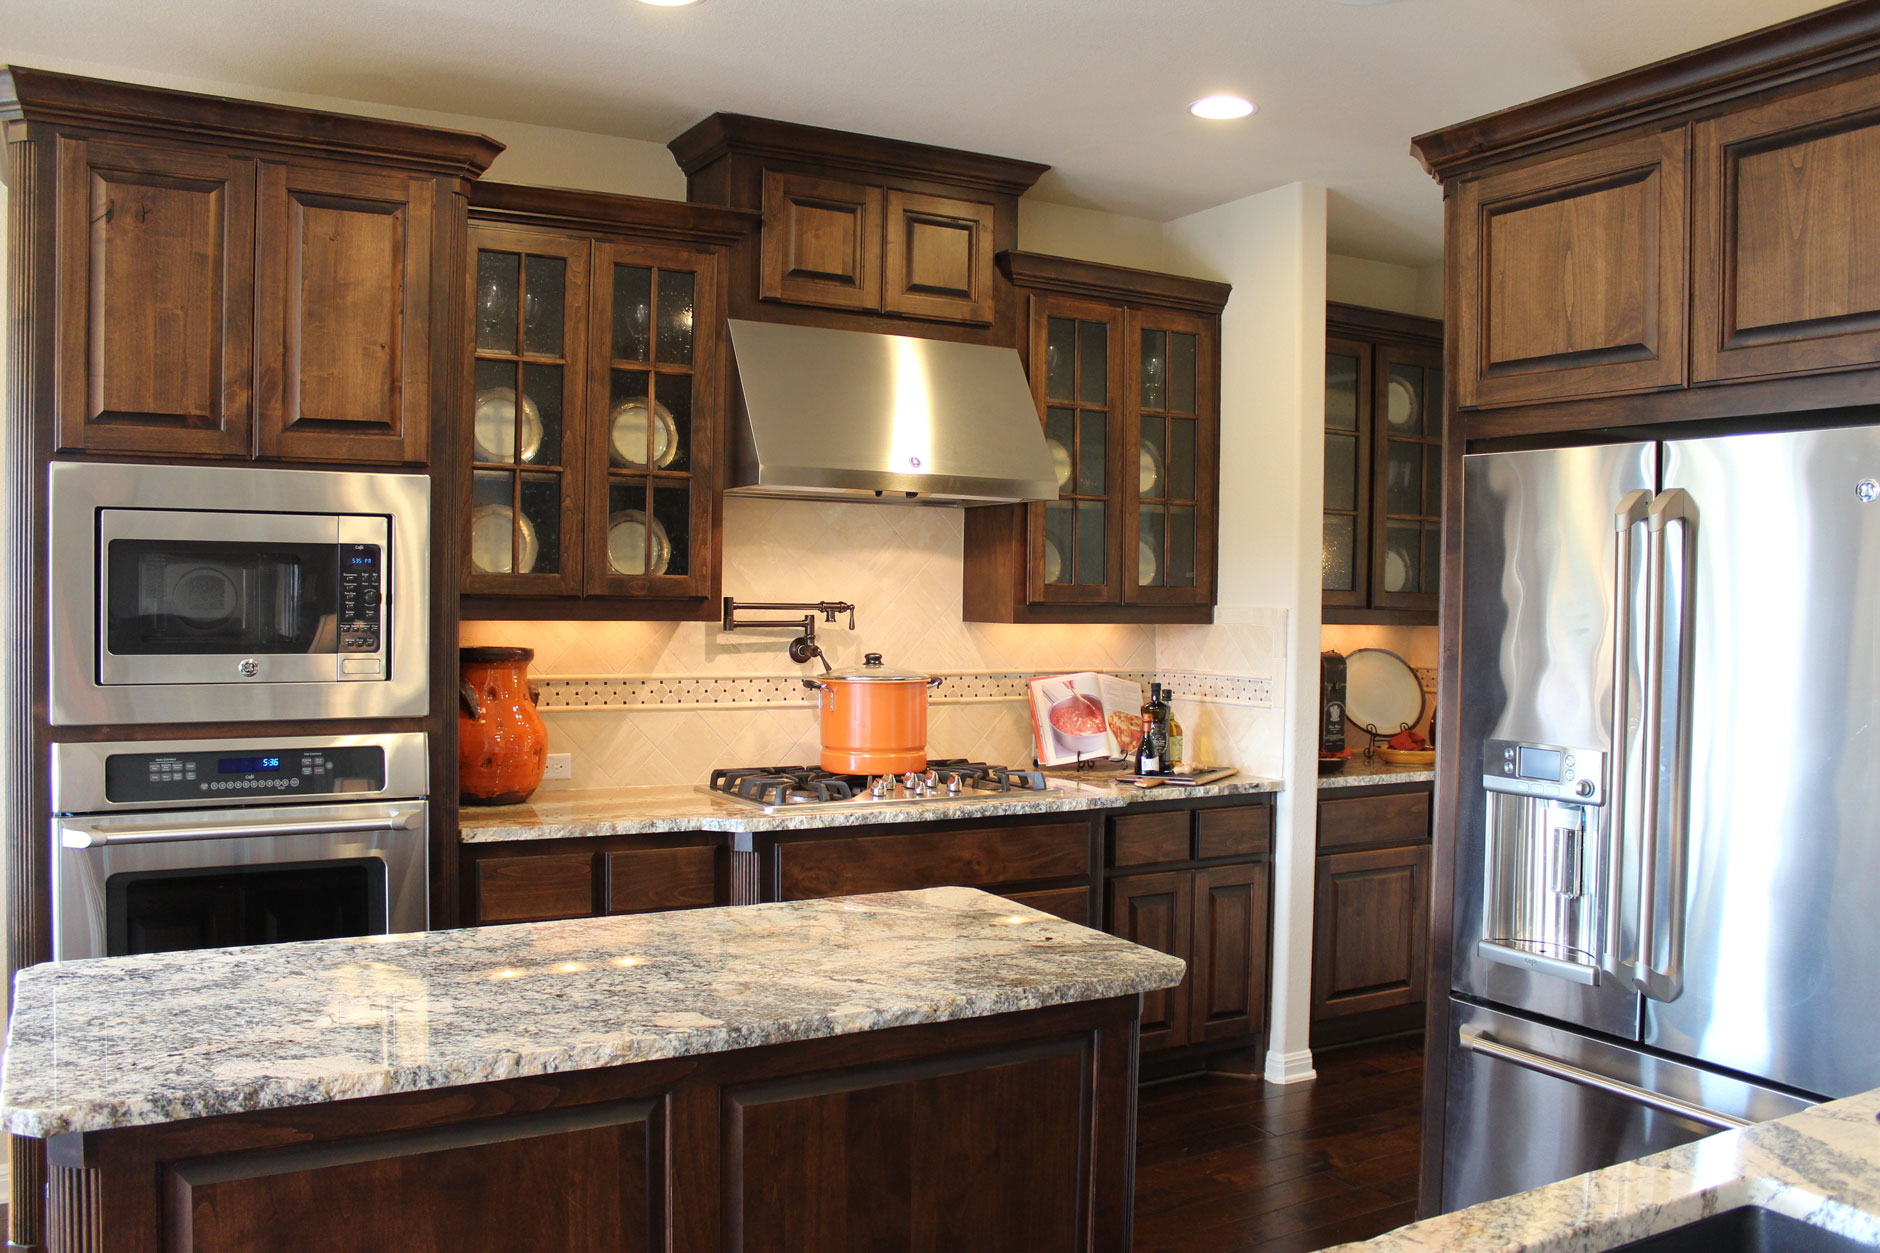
{"points": [[76, 836]]}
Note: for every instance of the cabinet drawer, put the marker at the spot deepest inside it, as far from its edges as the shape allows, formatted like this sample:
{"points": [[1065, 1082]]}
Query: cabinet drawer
{"points": [[1147, 839], [1243, 831], [1357, 821], [896, 863], [1070, 904], [531, 889], [640, 880]]}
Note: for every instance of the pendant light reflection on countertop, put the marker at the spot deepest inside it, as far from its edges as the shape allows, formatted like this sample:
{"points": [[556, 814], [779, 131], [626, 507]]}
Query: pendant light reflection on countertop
{"points": [[1223, 108]]}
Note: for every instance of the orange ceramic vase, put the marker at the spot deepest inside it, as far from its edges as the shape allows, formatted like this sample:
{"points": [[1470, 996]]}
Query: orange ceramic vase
{"points": [[502, 746]]}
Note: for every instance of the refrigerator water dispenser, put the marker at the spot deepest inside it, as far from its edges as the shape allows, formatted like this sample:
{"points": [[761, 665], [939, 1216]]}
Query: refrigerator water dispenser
{"points": [[1546, 859]]}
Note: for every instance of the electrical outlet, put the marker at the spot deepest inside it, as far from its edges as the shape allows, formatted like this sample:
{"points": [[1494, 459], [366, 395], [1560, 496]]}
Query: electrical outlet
{"points": [[559, 766]]}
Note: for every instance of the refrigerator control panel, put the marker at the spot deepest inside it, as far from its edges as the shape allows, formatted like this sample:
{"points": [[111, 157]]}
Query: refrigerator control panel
{"points": [[1552, 771]]}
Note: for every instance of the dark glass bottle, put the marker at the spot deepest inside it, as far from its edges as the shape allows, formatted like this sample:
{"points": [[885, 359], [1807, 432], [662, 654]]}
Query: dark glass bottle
{"points": [[1152, 754]]}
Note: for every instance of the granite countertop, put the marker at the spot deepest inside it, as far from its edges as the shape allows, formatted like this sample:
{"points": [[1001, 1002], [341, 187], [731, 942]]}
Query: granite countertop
{"points": [[1361, 773], [129, 1041], [1821, 1166], [650, 810]]}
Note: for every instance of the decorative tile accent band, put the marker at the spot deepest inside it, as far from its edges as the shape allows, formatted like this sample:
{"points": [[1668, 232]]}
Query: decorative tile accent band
{"points": [[787, 691]]}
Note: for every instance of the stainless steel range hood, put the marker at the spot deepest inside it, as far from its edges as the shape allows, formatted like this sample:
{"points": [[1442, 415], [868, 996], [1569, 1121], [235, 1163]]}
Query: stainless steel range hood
{"points": [[854, 415]]}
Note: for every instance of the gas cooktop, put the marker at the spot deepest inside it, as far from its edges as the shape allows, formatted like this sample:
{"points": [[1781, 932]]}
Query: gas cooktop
{"points": [[772, 788]]}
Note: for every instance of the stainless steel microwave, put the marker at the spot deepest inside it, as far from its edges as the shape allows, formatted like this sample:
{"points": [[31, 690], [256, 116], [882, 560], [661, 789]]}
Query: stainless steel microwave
{"points": [[212, 594]]}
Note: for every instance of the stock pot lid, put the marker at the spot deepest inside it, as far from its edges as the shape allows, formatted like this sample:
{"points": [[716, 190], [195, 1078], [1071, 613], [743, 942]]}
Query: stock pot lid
{"points": [[872, 671]]}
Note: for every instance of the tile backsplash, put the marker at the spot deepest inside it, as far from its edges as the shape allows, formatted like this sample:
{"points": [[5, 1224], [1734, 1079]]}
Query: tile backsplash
{"points": [[665, 702]]}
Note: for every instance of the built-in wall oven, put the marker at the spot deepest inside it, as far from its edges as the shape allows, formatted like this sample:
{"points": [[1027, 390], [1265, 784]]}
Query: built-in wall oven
{"points": [[211, 594], [183, 844]]}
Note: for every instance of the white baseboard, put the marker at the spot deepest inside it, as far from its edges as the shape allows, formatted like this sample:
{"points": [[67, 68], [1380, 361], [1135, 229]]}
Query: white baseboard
{"points": [[1290, 1067]]}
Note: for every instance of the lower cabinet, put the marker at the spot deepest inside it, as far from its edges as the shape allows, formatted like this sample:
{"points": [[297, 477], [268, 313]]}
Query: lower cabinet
{"points": [[1371, 915], [1214, 916], [543, 880]]}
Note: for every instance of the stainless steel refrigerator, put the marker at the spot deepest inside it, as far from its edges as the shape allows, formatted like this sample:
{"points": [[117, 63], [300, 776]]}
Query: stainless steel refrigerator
{"points": [[1667, 898]]}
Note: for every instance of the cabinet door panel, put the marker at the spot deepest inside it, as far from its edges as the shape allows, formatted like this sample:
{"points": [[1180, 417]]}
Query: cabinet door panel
{"points": [[938, 260], [898, 863], [1370, 930], [1787, 242], [640, 880], [1344, 567], [1572, 275], [1169, 459], [1070, 904], [1407, 488], [344, 315], [1230, 945], [1076, 367], [156, 274], [1157, 911], [1356, 821], [821, 243], [534, 889]]}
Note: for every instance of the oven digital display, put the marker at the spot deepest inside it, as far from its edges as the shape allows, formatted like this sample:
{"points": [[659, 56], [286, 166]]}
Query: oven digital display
{"points": [[248, 765], [1539, 763]]}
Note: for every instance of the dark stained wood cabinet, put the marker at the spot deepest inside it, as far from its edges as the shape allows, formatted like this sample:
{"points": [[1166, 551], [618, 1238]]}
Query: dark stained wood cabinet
{"points": [[937, 258], [1157, 911], [1572, 274], [1229, 955], [912, 858], [1371, 912], [822, 241], [596, 333], [1785, 240], [235, 279], [540, 880], [1381, 553], [1124, 367]]}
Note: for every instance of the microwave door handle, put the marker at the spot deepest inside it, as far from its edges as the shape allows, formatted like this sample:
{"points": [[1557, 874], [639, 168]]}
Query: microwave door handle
{"points": [[1633, 511], [1673, 508], [80, 836], [1476, 1041]]}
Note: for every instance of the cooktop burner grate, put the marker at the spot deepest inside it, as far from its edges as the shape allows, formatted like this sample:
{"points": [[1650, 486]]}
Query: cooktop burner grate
{"points": [[947, 778]]}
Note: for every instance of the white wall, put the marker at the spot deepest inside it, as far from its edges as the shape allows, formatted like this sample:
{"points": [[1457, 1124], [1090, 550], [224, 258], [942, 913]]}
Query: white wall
{"points": [[1271, 247], [1092, 235], [1382, 285]]}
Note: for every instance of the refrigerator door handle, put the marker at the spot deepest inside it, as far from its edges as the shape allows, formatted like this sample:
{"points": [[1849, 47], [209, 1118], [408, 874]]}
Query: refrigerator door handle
{"points": [[1670, 509], [1476, 1040], [1633, 511]]}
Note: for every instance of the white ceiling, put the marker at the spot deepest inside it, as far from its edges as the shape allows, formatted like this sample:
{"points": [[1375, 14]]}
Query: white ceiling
{"points": [[1098, 88]]}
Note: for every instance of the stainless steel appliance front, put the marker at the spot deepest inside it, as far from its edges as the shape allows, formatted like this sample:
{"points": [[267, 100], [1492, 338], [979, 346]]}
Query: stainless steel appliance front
{"points": [[138, 865], [191, 594]]}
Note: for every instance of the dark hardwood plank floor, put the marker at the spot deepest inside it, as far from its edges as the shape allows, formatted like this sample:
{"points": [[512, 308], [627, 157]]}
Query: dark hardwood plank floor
{"points": [[1229, 1165]]}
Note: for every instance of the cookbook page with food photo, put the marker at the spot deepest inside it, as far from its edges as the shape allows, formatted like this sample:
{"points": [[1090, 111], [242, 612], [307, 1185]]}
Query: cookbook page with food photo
{"points": [[1082, 717]]}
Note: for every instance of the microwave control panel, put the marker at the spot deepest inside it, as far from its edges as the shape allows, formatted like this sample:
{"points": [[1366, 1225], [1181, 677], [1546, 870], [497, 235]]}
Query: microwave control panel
{"points": [[247, 772], [361, 600]]}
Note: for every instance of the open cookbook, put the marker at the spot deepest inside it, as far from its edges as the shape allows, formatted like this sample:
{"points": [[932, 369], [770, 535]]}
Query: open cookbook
{"points": [[1081, 717]]}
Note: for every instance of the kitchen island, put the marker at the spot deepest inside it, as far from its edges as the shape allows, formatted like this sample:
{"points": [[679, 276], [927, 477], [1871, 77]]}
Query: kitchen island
{"points": [[936, 1069]]}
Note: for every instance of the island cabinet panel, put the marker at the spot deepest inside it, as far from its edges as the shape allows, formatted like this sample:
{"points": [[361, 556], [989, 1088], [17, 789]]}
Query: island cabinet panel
{"points": [[585, 1181], [983, 1156], [344, 290], [1572, 275], [1786, 241], [821, 241], [841, 866], [156, 301]]}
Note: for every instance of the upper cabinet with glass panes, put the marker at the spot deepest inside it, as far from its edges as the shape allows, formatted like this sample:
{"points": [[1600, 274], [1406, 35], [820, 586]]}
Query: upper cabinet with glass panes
{"points": [[595, 333], [1124, 369], [1382, 544]]}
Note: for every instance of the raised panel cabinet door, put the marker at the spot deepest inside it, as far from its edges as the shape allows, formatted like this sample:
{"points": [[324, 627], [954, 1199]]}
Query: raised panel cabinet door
{"points": [[938, 261], [533, 888], [528, 321], [1572, 275], [156, 300], [1170, 454], [1786, 238], [344, 315], [821, 242], [1228, 977], [1074, 543], [655, 387], [1157, 911], [1370, 931]]}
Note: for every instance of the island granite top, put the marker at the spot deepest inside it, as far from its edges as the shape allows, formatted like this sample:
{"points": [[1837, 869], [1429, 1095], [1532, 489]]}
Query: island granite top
{"points": [[575, 814], [1821, 1166], [130, 1041]]}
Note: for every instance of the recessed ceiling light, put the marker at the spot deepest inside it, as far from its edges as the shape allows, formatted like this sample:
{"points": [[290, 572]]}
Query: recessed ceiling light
{"points": [[1222, 108]]}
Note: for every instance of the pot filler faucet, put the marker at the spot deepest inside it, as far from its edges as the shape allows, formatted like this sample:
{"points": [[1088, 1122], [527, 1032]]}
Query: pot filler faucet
{"points": [[804, 646]]}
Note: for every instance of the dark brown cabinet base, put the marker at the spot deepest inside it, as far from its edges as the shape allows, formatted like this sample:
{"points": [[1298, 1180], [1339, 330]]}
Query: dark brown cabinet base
{"points": [[1012, 1133]]}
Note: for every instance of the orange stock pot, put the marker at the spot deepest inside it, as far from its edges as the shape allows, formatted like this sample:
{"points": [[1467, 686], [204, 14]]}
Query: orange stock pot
{"points": [[874, 720]]}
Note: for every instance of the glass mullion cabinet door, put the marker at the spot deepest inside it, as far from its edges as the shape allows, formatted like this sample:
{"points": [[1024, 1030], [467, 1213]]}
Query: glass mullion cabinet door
{"points": [[1344, 564], [1407, 478], [654, 380], [1169, 459], [528, 338], [1077, 373]]}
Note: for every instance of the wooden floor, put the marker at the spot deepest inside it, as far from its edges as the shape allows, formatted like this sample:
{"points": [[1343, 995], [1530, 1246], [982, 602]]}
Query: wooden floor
{"points": [[1229, 1165]]}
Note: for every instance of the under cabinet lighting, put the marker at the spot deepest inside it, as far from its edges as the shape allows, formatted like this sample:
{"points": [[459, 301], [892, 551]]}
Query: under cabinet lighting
{"points": [[1222, 108]]}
